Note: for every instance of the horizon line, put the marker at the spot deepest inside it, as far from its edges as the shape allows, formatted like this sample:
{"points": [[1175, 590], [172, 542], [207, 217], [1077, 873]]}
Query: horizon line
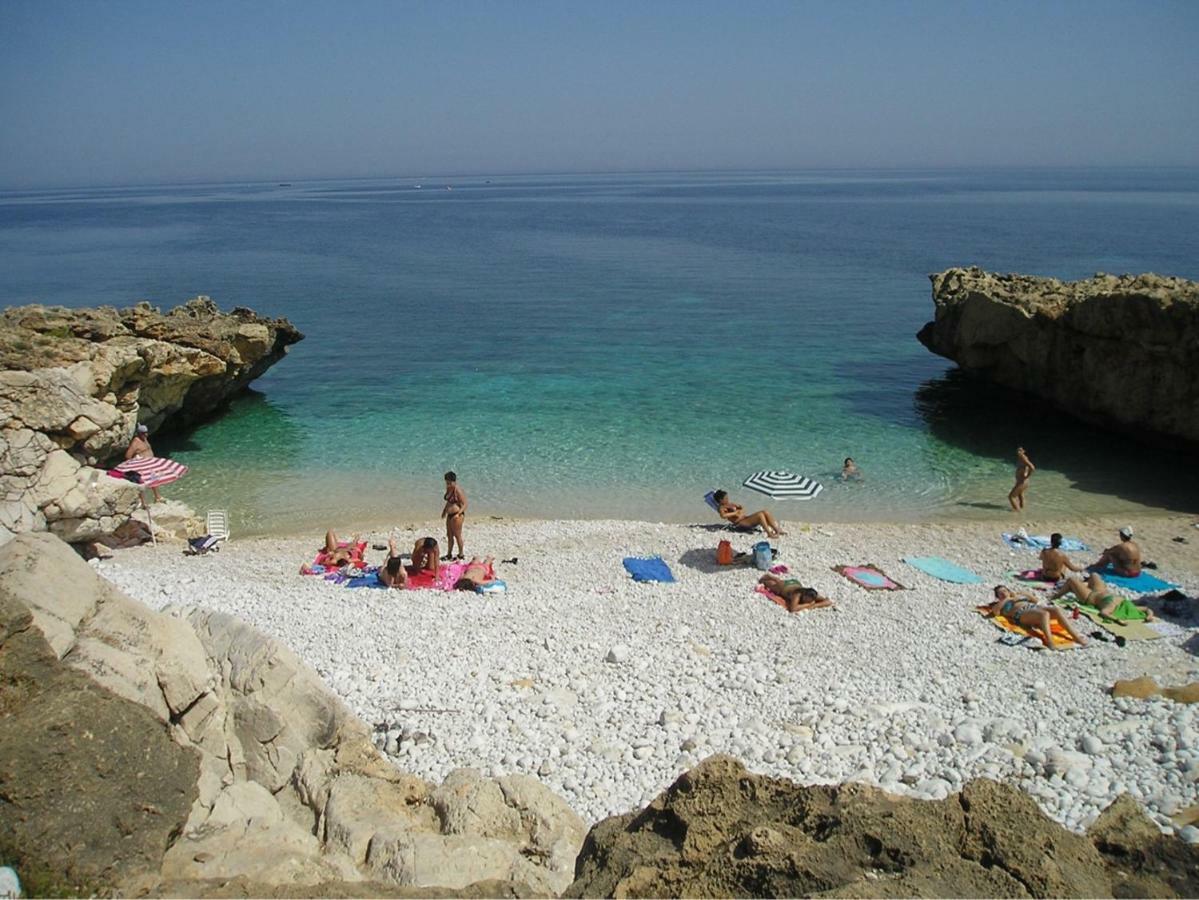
{"points": [[290, 180]]}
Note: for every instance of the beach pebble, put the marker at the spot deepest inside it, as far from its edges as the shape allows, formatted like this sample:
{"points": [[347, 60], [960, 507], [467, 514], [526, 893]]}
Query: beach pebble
{"points": [[618, 654], [606, 689]]}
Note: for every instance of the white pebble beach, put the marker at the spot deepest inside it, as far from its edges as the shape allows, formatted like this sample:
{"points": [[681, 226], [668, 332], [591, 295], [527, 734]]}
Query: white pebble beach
{"points": [[606, 689]]}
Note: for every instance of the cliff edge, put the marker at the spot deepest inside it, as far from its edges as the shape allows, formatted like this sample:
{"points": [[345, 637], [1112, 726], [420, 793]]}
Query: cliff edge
{"points": [[75, 383], [1115, 350]]}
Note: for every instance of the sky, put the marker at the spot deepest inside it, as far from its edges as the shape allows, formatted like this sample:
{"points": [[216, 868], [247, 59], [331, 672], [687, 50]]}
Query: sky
{"points": [[129, 92]]}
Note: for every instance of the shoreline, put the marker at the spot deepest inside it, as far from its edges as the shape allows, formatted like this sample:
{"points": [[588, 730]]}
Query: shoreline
{"points": [[606, 689]]}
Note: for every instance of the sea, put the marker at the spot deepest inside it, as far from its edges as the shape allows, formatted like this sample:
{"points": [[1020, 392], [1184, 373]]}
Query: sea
{"points": [[616, 345]]}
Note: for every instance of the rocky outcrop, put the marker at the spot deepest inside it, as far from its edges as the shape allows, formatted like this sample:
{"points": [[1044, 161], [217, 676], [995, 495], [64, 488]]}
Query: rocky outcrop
{"points": [[74, 383], [721, 831], [178, 751], [1118, 351]]}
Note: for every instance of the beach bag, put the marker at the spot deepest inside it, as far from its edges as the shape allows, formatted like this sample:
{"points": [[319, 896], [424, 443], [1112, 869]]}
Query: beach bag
{"points": [[724, 553], [763, 558]]}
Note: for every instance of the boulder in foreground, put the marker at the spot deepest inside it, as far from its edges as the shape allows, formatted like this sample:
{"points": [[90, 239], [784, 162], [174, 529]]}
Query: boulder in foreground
{"points": [[178, 752], [721, 831]]}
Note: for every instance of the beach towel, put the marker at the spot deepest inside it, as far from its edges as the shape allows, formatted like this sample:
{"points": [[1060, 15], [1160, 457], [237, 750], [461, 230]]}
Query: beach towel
{"points": [[770, 595], [1142, 584], [368, 579], [869, 577], [1040, 542], [649, 569], [357, 552], [447, 575], [200, 545], [942, 569], [1131, 630], [1034, 575], [1061, 637]]}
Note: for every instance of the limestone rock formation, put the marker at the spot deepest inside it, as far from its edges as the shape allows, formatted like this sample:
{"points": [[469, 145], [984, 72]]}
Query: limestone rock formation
{"points": [[74, 383], [1118, 351], [721, 831], [178, 751]]}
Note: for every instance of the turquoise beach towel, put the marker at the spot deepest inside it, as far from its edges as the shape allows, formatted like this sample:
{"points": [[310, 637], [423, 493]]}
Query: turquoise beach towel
{"points": [[1040, 542], [1142, 584], [943, 569], [651, 569]]}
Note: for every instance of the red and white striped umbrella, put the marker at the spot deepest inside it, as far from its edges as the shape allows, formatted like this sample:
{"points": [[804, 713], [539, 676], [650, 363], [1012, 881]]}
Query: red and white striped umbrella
{"points": [[154, 470]]}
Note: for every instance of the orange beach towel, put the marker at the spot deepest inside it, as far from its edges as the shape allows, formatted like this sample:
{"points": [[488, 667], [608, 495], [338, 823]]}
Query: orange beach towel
{"points": [[1061, 637]]}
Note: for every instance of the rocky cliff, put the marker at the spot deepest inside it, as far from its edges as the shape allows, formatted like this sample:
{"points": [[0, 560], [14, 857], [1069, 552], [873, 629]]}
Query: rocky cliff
{"points": [[74, 384], [178, 751], [1118, 351]]}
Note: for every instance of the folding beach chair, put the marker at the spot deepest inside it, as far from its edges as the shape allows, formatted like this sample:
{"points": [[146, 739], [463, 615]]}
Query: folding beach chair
{"points": [[217, 524], [710, 499]]}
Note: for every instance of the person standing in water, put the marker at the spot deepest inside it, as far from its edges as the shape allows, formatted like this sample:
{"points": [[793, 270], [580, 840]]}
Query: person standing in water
{"points": [[454, 513], [1024, 470]]}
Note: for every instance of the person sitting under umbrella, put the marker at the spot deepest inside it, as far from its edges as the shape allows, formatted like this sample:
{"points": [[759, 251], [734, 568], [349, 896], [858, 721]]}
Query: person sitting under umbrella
{"points": [[139, 448], [734, 514]]}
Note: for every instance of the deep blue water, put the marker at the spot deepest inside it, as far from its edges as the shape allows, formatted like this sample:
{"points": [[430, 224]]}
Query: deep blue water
{"points": [[614, 345]]}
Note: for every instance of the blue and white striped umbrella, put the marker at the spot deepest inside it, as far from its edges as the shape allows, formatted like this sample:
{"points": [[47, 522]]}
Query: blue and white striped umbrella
{"points": [[783, 485]]}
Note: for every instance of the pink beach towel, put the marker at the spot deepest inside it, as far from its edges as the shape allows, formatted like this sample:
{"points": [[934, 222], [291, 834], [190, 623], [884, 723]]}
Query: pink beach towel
{"points": [[447, 576]]}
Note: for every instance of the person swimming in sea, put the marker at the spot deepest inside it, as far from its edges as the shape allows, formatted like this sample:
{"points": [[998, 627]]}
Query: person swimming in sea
{"points": [[850, 471]]}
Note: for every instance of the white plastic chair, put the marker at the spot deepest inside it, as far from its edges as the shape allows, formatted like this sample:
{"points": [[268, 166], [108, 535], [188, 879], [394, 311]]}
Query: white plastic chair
{"points": [[217, 524]]}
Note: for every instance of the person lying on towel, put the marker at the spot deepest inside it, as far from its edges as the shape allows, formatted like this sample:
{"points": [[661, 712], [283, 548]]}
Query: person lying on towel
{"points": [[392, 573], [335, 554], [1055, 563], [797, 597], [1097, 593], [734, 514], [1021, 608], [475, 575]]}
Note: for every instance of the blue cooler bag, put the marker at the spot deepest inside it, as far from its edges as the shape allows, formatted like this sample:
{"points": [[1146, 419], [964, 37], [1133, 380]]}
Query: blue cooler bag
{"points": [[763, 558]]}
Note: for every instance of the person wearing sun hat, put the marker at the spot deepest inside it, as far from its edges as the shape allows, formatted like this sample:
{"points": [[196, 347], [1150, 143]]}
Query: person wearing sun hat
{"points": [[1124, 557]]}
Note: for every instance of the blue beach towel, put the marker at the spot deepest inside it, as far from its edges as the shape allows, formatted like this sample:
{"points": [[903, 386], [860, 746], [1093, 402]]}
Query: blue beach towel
{"points": [[651, 569], [1039, 542], [1142, 584], [943, 569]]}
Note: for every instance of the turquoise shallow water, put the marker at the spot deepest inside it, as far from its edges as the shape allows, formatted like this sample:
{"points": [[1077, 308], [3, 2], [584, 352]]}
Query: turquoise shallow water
{"points": [[596, 346]]}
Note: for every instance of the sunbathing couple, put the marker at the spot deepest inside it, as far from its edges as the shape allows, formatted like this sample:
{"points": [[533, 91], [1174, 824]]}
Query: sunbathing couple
{"points": [[1025, 610], [734, 514], [1124, 558], [393, 573]]}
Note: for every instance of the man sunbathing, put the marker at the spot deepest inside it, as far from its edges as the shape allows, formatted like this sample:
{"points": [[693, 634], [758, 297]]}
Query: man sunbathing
{"points": [[426, 556], [475, 575], [1022, 609], [796, 597], [1097, 593], [1055, 563], [392, 573], [734, 514], [1124, 557]]}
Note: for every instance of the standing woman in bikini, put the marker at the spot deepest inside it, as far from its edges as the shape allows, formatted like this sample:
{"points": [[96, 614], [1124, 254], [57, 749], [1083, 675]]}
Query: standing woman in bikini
{"points": [[454, 513]]}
